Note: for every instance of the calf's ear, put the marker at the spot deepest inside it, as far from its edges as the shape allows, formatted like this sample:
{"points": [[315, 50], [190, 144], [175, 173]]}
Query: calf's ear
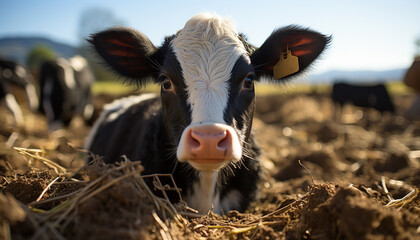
{"points": [[128, 52], [304, 45]]}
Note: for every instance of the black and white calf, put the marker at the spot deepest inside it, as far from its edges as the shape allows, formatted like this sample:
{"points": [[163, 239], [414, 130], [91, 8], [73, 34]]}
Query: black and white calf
{"points": [[14, 74], [65, 87], [199, 129]]}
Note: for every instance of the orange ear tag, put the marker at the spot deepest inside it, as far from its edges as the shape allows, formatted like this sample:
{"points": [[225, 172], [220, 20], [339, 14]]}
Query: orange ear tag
{"points": [[287, 65]]}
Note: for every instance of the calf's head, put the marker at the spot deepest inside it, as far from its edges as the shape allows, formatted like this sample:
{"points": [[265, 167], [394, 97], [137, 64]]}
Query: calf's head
{"points": [[207, 73]]}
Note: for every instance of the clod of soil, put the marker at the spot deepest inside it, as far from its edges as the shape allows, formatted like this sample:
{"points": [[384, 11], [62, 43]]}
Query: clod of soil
{"points": [[346, 213]]}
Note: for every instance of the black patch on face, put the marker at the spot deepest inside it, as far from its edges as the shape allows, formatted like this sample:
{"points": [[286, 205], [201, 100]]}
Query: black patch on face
{"points": [[241, 104], [177, 113]]}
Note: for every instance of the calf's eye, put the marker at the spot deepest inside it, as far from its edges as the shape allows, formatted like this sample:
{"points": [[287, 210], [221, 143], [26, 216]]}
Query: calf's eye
{"points": [[248, 84], [167, 85]]}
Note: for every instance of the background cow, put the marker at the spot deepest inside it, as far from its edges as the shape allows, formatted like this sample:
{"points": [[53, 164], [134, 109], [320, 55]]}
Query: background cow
{"points": [[374, 96], [65, 87], [14, 74], [199, 130]]}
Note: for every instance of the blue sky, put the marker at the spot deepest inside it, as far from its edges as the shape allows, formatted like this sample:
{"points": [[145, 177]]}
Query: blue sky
{"points": [[367, 35]]}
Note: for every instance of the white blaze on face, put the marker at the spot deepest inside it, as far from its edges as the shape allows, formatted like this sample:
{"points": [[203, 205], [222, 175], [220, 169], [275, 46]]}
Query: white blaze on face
{"points": [[207, 48]]}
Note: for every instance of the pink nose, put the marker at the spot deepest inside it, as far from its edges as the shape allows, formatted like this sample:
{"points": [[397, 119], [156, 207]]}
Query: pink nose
{"points": [[207, 144]]}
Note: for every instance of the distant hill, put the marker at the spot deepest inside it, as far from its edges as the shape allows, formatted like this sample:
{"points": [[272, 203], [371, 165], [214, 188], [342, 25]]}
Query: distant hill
{"points": [[17, 48], [358, 76]]}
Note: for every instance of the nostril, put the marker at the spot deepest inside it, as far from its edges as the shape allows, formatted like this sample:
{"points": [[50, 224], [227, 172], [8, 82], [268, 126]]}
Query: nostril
{"points": [[194, 139], [224, 141]]}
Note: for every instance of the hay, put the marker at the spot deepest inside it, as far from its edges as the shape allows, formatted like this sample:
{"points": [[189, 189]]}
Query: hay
{"points": [[51, 223]]}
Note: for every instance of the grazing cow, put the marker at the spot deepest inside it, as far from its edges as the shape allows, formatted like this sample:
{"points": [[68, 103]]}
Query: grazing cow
{"points": [[65, 87], [14, 74], [199, 129], [374, 96]]}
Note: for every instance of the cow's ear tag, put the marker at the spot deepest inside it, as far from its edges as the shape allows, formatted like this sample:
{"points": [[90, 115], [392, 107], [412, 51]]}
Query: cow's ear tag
{"points": [[287, 65]]}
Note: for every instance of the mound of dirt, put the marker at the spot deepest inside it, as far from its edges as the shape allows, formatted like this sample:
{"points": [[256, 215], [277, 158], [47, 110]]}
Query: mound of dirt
{"points": [[101, 215], [108, 206], [346, 213]]}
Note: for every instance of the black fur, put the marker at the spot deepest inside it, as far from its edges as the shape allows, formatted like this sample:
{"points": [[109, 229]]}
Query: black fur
{"points": [[374, 96], [133, 55]]}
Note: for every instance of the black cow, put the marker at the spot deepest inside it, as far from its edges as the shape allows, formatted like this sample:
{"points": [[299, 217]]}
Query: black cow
{"points": [[14, 74], [199, 129], [65, 87], [374, 96]]}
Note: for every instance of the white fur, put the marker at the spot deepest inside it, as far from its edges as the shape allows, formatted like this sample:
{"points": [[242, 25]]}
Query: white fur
{"points": [[203, 196], [20, 71], [32, 96], [207, 48], [13, 107], [68, 72], [113, 110], [88, 111], [78, 63]]}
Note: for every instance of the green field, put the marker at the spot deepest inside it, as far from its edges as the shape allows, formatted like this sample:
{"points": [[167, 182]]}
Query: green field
{"points": [[117, 88]]}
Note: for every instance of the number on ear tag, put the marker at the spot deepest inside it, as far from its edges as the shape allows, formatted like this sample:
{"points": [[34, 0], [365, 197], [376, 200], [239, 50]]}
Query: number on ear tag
{"points": [[287, 65]]}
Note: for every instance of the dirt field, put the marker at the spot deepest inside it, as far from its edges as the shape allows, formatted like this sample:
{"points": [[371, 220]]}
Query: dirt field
{"points": [[353, 175]]}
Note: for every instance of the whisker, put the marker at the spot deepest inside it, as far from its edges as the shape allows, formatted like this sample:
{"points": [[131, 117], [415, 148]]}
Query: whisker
{"points": [[155, 64], [261, 65]]}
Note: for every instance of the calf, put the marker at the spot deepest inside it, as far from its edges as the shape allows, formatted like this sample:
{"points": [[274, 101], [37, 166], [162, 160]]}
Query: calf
{"points": [[199, 129], [65, 87], [14, 74], [374, 96]]}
